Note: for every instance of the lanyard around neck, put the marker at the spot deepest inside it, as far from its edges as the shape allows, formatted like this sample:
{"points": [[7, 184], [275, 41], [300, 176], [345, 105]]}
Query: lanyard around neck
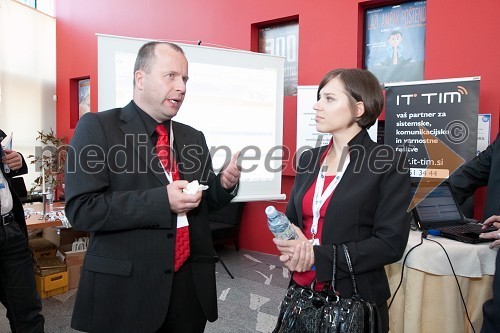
{"points": [[168, 173], [182, 220], [321, 196]]}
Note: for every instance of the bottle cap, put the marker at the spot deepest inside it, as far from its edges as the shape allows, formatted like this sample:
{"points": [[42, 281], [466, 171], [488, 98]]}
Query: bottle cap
{"points": [[271, 211]]}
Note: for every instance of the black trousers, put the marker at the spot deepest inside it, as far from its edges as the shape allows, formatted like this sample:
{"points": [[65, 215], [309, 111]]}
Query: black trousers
{"points": [[383, 311], [491, 308], [185, 314], [17, 281]]}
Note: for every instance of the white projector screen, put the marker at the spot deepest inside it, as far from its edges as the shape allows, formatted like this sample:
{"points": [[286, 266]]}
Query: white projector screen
{"points": [[235, 97]]}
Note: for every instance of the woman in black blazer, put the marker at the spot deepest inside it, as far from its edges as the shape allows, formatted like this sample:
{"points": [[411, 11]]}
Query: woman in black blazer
{"points": [[352, 192]]}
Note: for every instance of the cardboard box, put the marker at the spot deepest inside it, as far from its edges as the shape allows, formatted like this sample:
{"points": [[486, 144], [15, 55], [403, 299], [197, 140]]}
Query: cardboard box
{"points": [[69, 235], [48, 266], [42, 248], [52, 234], [52, 284], [74, 263]]}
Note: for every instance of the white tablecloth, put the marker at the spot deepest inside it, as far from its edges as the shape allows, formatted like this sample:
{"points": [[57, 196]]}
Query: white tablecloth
{"points": [[468, 260]]}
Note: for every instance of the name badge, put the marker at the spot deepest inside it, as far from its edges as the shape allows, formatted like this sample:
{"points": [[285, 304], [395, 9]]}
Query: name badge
{"points": [[315, 241]]}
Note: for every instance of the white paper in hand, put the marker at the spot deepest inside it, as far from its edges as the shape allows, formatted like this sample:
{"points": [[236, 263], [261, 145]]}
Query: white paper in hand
{"points": [[7, 141], [7, 144], [194, 187]]}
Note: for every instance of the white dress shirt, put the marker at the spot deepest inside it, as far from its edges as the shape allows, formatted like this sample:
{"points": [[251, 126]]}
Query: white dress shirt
{"points": [[5, 195]]}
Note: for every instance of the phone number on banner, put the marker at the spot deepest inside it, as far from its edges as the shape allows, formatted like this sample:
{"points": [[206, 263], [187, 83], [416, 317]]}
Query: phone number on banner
{"points": [[429, 173]]}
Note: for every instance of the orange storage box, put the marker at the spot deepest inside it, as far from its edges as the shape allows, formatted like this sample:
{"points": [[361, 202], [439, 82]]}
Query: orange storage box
{"points": [[51, 285]]}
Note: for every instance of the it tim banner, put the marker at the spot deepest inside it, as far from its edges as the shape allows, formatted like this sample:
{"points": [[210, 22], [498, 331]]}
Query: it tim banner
{"points": [[434, 122]]}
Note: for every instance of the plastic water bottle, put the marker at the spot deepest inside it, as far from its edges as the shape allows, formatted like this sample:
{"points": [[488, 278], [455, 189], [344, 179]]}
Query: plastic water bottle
{"points": [[50, 196], [279, 224]]}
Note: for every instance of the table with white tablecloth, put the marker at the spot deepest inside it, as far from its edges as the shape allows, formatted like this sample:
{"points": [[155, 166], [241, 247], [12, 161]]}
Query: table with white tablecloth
{"points": [[429, 300]]}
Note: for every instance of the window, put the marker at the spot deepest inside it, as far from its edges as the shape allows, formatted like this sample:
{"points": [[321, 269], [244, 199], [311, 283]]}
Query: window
{"points": [[45, 6]]}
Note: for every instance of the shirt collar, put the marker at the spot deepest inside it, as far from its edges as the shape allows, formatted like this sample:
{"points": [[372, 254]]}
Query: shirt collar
{"points": [[149, 122]]}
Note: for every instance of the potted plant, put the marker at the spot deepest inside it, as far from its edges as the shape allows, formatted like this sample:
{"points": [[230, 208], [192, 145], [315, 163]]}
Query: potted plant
{"points": [[50, 159]]}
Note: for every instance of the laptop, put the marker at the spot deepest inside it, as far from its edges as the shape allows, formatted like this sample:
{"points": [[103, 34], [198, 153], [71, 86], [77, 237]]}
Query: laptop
{"points": [[440, 211]]}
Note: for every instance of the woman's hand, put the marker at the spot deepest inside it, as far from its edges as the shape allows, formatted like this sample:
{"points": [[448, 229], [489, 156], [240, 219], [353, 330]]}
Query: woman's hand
{"points": [[296, 254]]}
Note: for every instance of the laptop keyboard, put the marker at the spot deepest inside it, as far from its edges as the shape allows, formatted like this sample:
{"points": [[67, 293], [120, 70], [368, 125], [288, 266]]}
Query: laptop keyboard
{"points": [[470, 227]]}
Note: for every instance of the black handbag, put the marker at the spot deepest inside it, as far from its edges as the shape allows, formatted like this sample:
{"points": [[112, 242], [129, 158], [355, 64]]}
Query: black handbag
{"points": [[308, 311]]}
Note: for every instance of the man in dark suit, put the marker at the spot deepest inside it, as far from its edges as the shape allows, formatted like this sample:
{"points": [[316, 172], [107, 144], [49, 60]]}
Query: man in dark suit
{"points": [[117, 190], [17, 278], [484, 170]]}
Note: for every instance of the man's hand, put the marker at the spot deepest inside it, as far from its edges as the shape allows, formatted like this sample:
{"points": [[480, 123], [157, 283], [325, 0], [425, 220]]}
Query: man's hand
{"points": [[230, 176], [492, 221], [181, 202], [12, 159]]}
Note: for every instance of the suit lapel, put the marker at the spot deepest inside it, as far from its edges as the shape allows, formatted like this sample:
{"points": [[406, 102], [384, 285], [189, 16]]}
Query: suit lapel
{"points": [[357, 160], [309, 177], [136, 135], [1, 154]]}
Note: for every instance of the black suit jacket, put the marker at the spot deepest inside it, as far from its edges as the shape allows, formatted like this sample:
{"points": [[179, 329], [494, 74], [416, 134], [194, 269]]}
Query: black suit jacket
{"points": [[483, 170], [17, 207], [116, 189], [367, 211]]}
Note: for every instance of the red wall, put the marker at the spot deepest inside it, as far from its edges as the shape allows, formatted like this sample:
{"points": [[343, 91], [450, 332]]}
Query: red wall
{"points": [[462, 41]]}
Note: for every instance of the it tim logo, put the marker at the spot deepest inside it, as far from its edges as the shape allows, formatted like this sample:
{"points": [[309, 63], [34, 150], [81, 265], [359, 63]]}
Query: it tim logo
{"points": [[433, 97]]}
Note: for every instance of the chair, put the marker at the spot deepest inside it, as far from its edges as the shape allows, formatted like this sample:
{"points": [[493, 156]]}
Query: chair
{"points": [[225, 226]]}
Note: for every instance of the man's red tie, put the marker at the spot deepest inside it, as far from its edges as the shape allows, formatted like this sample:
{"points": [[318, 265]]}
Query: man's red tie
{"points": [[163, 153]]}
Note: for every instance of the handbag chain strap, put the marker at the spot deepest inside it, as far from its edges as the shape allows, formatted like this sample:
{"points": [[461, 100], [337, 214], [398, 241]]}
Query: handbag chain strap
{"points": [[334, 270], [351, 271], [349, 265]]}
